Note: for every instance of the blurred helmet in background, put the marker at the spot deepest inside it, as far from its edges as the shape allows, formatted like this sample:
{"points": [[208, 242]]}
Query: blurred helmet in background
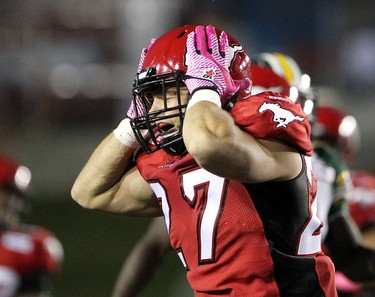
{"points": [[339, 130], [287, 79]]}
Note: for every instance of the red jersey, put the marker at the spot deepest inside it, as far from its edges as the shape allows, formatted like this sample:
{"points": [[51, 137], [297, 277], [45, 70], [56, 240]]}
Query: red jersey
{"points": [[362, 200], [27, 256], [237, 239]]}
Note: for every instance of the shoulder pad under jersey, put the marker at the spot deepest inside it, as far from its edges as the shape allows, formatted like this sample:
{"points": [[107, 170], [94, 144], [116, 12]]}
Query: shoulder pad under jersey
{"points": [[270, 115]]}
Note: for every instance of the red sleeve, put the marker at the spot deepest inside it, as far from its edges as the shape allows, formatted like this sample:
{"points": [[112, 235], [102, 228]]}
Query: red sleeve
{"points": [[362, 200], [50, 250], [271, 115]]}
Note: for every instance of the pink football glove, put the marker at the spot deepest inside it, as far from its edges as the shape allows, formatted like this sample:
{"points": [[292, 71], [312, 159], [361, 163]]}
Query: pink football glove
{"points": [[131, 111], [143, 54], [207, 59]]}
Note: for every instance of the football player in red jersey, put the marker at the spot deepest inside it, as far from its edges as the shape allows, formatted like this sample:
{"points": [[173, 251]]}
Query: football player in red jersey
{"points": [[230, 172], [150, 250], [29, 255]]}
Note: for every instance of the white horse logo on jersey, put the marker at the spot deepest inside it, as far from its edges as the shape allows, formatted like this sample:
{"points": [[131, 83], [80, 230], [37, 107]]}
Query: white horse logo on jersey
{"points": [[281, 116]]}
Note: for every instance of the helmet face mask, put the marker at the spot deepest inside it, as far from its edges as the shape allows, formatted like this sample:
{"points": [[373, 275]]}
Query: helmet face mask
{"points": [[163, 69], [147, 120]]}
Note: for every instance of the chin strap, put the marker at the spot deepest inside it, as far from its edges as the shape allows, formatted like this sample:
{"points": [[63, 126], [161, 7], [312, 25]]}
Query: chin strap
{"points": [[176, 146], [231, 102]]}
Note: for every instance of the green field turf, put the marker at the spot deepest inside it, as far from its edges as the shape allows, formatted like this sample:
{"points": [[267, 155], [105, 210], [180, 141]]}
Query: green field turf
{"points": [[95, 246]]}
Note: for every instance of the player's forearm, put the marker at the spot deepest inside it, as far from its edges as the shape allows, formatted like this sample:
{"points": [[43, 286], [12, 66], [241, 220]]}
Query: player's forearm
{"points": [[137, 271], [97, 181], [144, 259]]}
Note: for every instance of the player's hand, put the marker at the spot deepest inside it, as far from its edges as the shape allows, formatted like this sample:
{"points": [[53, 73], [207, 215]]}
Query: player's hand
{"points": [[207, 60], [131, 113]]}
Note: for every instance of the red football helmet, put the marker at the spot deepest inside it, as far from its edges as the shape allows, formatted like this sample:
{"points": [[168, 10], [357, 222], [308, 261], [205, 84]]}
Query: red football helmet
{"points": [[164, 65], [338, 129], [13, 176], [265, 79], [14, 185], [280, 73]]}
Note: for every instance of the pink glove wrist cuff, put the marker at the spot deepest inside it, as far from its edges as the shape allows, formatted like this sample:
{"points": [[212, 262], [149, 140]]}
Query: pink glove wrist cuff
{"points": [[204, 95]]}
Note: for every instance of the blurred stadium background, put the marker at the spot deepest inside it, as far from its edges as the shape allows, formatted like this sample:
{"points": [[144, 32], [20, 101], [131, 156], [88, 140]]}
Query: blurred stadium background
{"points": [[66, 69]]}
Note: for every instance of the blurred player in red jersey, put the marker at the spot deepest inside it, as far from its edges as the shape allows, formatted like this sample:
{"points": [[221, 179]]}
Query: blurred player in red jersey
{"points": [[230, 172], [29, 255], [339, 131], [362, 201], [362, 210]]}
